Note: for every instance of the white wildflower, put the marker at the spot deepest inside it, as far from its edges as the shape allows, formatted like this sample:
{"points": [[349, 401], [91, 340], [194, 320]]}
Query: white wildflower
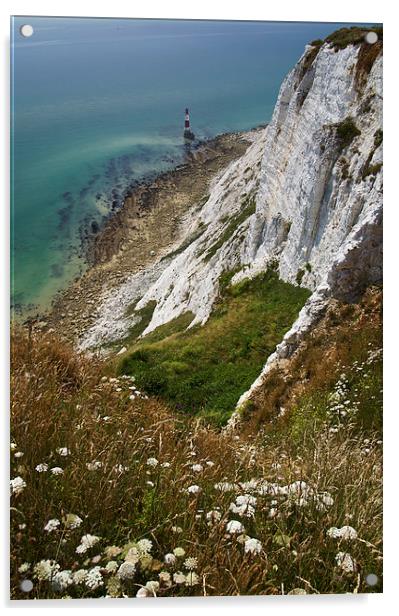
{"points": [[17, 485], [142, 593], [95, 465], [252, 546], [234, 527], [224, 486], [120, 468], [87, 542], [51, 525], [177, 529], [126, 571], [57, 470], [190, 563], [192, 579], [94, 579], [63, 451], [151, 484], [79, 576], [210, 463], [179, 552], [153, 587], [194, 489], [165, 578], [197, 468], [170, 559], [13, 446], [144, 546], [152, 462], [42, 468], [72, 521], [61, 580], [213, 517], [18, 454], [133, 556], [346, 532], [179, 577], [111, 566], [24, 567], [345, 562], [45, 569], [166, 464]]}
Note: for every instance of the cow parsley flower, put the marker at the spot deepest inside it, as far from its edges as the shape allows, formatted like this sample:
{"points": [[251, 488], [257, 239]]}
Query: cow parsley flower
{"points": [[194, 489], [165, 578], [346, 532], [133, 555], [152, 586], [210, 463], [142, 593], [87, 542], [95, 465], [126, 571], [192, 579], [177, 529], [111, 566], [191, 563], [94, 579], [197, 468], [57, 470], [61, 580], [52, 525], [179, 552], [42, 468], [144, 546], [179, 577], [345, 562], [63, 451], [153, 462], [244, 505], [17, 485], [213, 517], [18, 454], [79, 576], [166, 464], [45, 569], [252, 546], [234, 527], [24, 568], [170, 559], [72, 521]]}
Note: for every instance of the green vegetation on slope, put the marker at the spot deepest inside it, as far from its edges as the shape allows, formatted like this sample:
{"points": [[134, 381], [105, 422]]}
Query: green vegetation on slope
{"points": [[249, 207], [351, 36], [205, 370]]}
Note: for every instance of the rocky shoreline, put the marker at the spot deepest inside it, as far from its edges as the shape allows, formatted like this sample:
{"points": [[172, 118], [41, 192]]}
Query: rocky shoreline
{"points": [[148, 226]]}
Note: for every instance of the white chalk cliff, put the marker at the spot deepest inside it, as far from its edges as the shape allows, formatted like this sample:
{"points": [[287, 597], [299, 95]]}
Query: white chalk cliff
{"points": [[303, 195]]}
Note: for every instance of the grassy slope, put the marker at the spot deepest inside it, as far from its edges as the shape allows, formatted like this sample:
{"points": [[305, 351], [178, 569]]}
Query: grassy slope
{"points": [[62, 400], [206, 369]]}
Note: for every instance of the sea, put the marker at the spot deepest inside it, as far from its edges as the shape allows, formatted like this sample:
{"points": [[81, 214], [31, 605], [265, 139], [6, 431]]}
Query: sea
{"points": [[98, 104]]}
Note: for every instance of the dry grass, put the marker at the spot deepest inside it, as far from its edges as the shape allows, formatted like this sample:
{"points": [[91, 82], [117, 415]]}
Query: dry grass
{"points": [[62, 400]]}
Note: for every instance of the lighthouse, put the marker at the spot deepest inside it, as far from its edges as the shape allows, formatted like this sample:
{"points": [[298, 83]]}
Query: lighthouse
{"points": [[188, 134]]}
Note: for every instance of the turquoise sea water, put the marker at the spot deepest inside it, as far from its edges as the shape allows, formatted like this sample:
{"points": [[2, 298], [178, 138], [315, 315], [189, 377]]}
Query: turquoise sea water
{"points": [[97, 103]]}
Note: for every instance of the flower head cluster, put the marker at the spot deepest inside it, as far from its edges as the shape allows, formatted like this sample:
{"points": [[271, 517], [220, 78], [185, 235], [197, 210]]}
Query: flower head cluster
{"points": [[346, 532], [345, 562], [72, 521], [45, 569], [52, 525], [252, 546], [94, 579], [194, 489], [61, 580], [87, 542], [126, 571], [42, 468], [244, 505], [234, 527], [153, 462], [17, 485]]}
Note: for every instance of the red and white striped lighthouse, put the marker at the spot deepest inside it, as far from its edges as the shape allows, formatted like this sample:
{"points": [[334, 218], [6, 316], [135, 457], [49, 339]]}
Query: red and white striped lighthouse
{"points": [[188, 134]]}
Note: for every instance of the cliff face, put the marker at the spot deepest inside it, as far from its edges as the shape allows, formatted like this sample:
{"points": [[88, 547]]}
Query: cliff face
{"points": [[307, 194]]}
